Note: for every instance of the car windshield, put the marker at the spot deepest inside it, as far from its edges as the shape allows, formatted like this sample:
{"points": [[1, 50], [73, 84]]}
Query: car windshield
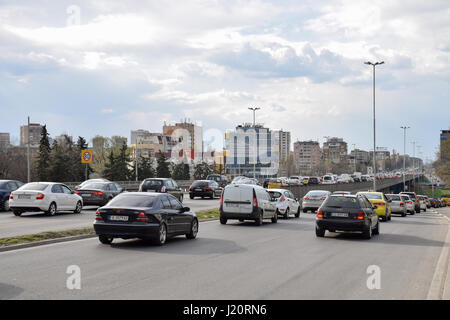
{"points": [[341, 202], [200, 184], [372, 196], [149, 183], [94, 186], [275, 194], [34, 186], [131, 200]]}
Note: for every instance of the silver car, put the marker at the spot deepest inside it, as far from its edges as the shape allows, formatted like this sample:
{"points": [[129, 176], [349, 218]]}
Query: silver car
{"points": [[408, 203], [314, 199], [397, 204]]}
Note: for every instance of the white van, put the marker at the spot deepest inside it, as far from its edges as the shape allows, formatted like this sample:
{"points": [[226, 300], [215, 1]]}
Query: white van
{"points": [[246, 202]]}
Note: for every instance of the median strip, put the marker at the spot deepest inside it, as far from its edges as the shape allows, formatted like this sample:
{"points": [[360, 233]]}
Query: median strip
{"points": [[31, 240]]}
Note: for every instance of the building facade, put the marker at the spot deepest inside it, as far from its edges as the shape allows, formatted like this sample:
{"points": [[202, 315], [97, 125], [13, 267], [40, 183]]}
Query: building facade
{"points": [[5, 140], [335, 151], [188, 138], [34, 134], [306, 157]]}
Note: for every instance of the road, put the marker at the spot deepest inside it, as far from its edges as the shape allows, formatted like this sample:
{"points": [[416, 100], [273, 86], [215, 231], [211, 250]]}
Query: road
{"points": [[238, 261], [30, 223]]}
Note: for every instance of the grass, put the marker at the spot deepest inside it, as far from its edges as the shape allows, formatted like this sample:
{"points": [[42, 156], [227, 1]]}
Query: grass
{"points": [[11, 241]]}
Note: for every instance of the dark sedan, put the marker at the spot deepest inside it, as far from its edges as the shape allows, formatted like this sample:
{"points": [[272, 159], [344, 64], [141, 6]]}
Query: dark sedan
{"points": [[150, 215], [99, 193], [347, 213], [167, 185], [6, 187], [204, 188]]}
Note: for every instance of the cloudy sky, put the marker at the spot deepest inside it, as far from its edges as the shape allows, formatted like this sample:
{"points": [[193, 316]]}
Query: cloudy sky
{"points": [[107, 67]]}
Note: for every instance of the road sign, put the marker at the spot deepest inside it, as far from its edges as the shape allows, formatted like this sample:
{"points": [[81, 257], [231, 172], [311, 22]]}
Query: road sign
{"points": [[86, 156]]}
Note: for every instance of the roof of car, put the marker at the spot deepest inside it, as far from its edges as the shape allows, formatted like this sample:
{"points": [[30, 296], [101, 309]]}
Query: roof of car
{"points": [[277, 190]]}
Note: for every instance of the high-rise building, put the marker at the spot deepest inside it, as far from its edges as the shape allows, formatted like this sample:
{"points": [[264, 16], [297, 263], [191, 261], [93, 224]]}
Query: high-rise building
{"points": [[188, 139], [445, 136], [306, 157], [34, 134], [5, 140], [149, 144], [285, 144], [335, 151], [252, 151]]}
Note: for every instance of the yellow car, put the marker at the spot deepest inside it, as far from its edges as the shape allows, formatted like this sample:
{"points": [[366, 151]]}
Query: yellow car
{"points": [[447, 200], [383, 204], [275, 183]]}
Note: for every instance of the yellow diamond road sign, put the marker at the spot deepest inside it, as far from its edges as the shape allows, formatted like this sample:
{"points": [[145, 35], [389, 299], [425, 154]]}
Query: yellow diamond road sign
{"points": [[86, 156]]}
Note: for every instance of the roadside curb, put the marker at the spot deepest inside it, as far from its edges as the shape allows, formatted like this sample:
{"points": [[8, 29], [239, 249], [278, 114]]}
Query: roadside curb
{"points": [[58, 240]]}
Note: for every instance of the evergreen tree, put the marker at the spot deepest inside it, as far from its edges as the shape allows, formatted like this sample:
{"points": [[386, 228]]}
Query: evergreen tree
{"points": [[186, 173], [145, 168], [43, 157], [58, 163], [80, 168], [108, 171], [178, 171], [162, 169], [121, 165], [202, 170]]}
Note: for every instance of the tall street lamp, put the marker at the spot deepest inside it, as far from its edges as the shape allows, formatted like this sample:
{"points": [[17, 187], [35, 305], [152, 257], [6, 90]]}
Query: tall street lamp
{"points": [[414, 164], [404, 154], [374, 137], [254, 127]]}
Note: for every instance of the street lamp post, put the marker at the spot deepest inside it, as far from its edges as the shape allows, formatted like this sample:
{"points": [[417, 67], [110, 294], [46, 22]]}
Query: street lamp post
{"points": [[404, 154], [354, 154], [374, 136], [254, 127], [414, 165]]}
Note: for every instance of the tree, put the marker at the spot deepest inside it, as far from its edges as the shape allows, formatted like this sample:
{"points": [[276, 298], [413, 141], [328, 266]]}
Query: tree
{"points": [[202, 170], [181, 171], [442, 165], [162, 168], [145, 168], [43, 157], [117, 167], [58, 163]]}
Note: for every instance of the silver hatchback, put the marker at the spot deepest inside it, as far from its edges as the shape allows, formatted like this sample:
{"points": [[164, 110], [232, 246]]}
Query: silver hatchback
{"points": [[314, 199], [398, 205]]}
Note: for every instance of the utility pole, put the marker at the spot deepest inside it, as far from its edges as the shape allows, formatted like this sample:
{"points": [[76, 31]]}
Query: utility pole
{"points": [[28, 150], [374, 136], [354, 154], [404, 155], [414, 164], [254, 127]]}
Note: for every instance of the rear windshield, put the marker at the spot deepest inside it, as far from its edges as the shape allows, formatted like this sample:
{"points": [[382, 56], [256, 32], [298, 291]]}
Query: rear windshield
{"points": [[34, 186], [94, 186], [215, 178], [275, 180], [127, 200], [150, 183], [275, 194], [341, 202], [327, 178], [317, 194], [313, 179], [200, 184], [393, 197], [372, 196], [405, 198]]}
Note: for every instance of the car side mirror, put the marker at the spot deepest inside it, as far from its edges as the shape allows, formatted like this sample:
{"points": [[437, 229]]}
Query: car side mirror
{"points": [[72, 192]]}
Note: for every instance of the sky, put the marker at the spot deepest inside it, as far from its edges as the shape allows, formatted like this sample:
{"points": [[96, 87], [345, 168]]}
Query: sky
{"points": [[107, 67]]}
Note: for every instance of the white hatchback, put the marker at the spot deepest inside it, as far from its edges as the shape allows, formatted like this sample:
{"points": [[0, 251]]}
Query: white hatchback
{"points": [[286, 202], [49, 197]]}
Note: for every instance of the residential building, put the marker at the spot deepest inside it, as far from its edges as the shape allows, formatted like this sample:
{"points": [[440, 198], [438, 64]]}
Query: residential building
{"points": [[5, 140], [445, 136], [306, 157], [189, 140], [335, 151], [33, 133], [285, 150]]}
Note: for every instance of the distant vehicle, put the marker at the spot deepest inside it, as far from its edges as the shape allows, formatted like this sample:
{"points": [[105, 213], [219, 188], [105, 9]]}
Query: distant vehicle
{"points": [[305, 180], [313, 180], [90, 181], [166, 185], [379, 200], [204, 188], [347, 213], [294, 181], [99, 193], [314, 199], [286, 202], [151, 215], [246, 202], [398, 205], [423, 202], [447, 200], [328, 180], [221, 179], [341, 192], [50, 197], [245, 180], [364, 178], [443, 202], [6, 187], [435, 203], [276, 183], [414, 198], [408, 203]]}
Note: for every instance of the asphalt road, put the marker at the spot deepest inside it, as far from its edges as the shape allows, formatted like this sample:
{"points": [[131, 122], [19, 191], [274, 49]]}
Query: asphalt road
{"points": [[36, 222], [238, 261]]}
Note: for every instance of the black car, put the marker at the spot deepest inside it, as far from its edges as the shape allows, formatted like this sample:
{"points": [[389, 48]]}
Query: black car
{"points": [[6, 187], [313, 180], [152, 216], [435, 203], [167, 185], [90, 181], [347, 213], [221, 179], [99, 193], [204, 188]]}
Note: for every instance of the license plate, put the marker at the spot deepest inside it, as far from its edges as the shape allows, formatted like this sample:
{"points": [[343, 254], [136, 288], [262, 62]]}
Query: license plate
{"points": [[233, 205], [339, 214], [118, 218], [198, 190], [85, 195], [24, 196]]}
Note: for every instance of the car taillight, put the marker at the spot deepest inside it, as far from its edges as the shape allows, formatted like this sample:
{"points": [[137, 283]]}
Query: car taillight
{"points": [[305, 198], [40, 196], [98, 217], [207, 188], [379, 204], [221, 201], [98, 193], [323, 198], [319, 214], [163, 189], [255, 202], [11, 196], [282, 198], [402, 204], [410, 202], [360, 215], [417, 200], [190, 188], [142, 217], [78, 192]]}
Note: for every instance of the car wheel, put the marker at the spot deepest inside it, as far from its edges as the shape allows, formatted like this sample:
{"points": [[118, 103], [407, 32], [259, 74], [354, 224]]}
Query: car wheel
{"points": [[286, 214], [194, 230], [367, 234], [52, 209], [181, 199], [377, 229], [305, 211], [259, 220], [191, 196], [223, 220], [162, 235], [6, 205], [105, 239], [17, 213], [275, 218], [403, 214], [424, 210], [78, 207], [320, 232], [383, 218], [241, 220], [297, 215]]}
